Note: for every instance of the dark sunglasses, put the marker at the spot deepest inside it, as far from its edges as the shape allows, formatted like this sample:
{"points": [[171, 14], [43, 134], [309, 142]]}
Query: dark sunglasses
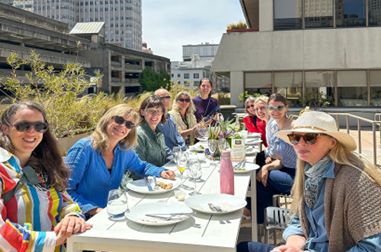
{"points": [[120, 120], [165, 97], [309, 138], [250, 106], [184, 100], [279, 108], [40, 127]]}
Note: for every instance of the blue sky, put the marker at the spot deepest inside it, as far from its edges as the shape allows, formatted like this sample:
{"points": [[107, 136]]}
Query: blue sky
{"points": [[169, 24]]}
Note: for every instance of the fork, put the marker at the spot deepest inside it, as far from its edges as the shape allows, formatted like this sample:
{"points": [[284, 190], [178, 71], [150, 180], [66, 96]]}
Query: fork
{"points": [[156, 187], [214, 207]]}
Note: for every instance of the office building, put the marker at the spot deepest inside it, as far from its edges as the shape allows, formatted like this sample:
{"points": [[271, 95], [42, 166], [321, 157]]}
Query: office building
{"points": [[205, 51]]}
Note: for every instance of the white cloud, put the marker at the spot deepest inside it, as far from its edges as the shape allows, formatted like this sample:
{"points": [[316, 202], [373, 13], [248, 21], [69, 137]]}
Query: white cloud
{"points": [[169, 24]]}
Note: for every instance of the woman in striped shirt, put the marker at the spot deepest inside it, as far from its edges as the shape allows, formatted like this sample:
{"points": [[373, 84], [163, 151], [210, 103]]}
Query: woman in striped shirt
{"points": [[39, 215]]}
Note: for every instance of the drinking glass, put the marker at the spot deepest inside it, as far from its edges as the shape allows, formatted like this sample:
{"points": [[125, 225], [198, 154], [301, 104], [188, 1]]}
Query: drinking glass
{"points": [[195, 172], [117, 204], [175, 151], [182, 163]]}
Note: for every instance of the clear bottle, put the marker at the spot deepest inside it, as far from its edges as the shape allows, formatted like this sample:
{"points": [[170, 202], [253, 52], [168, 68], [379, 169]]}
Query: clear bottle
{"points": [[226, 174]]}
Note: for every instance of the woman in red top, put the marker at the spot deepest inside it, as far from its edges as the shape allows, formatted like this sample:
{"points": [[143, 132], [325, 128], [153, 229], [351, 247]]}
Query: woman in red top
{"points": [[256, 116]]}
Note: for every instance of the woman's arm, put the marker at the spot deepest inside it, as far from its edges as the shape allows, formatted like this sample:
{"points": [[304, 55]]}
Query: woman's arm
{"points": [[263, 173], [249, 124]]}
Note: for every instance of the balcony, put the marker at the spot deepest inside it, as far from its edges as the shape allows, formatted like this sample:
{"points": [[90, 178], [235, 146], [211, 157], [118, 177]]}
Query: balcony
{"points": [[114, 79], [132, 82], [116, 64], [133, 67]]}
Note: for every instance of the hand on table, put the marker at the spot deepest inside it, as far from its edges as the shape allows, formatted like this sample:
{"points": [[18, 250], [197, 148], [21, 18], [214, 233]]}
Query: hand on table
{"points": [[263, 175], [68, 226], [168, 174]]}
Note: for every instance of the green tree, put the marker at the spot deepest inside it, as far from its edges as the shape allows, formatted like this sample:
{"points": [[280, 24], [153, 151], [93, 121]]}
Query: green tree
{"points": [[151, 81]]}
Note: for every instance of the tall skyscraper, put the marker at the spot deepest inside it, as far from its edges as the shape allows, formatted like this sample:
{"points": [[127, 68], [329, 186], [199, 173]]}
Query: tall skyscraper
{"points": [[123, 18]]}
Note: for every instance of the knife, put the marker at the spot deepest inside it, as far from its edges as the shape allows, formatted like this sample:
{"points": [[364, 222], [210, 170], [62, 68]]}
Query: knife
{"points": [[192, 213], [147, 184]]}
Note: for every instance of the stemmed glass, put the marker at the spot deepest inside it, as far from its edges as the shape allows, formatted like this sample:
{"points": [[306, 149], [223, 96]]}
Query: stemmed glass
{"points": [[195, 172], [202, 134], [182, 163], [117, 204], [175, 151]]}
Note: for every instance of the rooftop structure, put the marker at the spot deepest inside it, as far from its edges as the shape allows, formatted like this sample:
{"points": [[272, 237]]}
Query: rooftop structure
{"points": [[205, 51]]}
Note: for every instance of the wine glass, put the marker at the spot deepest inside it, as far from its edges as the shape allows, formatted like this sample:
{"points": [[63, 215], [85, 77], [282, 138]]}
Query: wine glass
{"points": [[202, 134], [117, 204], [195, 172], [182, 163], [175, 151]]}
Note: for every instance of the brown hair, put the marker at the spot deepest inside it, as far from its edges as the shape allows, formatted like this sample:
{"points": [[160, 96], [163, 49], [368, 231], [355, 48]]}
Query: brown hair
{"points": [[211, 84], [153, 101], [46, 157], [100, 141], [278, 98]]}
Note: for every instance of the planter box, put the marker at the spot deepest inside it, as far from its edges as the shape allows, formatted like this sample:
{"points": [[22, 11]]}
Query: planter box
{"points": [[67, 142], [243, 30], [227, 111]]}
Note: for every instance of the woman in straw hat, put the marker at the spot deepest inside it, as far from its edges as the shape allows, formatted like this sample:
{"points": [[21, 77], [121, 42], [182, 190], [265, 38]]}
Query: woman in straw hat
{"points": [[336, 195]]}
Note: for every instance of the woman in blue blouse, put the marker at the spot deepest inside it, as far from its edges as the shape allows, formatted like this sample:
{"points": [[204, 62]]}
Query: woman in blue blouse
{"points": [[97, 163], [277, 175]]}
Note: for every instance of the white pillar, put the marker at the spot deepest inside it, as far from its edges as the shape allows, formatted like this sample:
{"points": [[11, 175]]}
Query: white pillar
{"points": [[236, 87], [266, 15]]}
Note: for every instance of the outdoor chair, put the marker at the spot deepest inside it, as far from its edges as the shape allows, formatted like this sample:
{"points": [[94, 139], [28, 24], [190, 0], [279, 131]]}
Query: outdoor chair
{"points": [[276, 220]]}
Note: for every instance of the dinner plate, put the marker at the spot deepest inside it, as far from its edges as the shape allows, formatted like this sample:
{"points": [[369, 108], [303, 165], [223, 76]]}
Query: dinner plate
{"points": [[198, 148], [138, 213], [251, 151], [140, 186], [252, 141], [228, 203], [254, 135], [248, 167]]}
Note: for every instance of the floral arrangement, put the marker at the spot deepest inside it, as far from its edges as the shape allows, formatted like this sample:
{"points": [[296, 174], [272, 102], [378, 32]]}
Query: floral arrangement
{"points": [[222, 129]]}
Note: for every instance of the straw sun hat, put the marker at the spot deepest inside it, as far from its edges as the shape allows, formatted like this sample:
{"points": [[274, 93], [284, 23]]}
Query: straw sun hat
{"points": [[318, 122]]}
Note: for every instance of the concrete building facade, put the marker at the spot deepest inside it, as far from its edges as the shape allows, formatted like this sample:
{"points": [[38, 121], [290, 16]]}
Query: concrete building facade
{"points": [[301, 58], [205, 51]]}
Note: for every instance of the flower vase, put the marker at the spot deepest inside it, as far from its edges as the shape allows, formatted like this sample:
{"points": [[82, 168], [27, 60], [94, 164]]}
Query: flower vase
{"points": [[216, 146]]}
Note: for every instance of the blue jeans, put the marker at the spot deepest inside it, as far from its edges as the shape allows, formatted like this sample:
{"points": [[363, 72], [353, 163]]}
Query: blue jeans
{"points": [[278, 181], [254, 247]]}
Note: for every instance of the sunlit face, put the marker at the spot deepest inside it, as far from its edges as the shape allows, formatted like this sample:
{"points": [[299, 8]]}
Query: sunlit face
{"points": [[313, 153], [183, 101], [260, 109], [250, 108], [25, 142], [205, 87], [163, 94], [152, 115], [117, 132], [276, 114]]}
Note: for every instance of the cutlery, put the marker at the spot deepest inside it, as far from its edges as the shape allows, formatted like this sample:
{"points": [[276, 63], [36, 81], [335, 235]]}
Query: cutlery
{"points": [[168, 216], [155, 187], [240, 165], [192, 213], [215, 208], [237, 165], [147, 184]]}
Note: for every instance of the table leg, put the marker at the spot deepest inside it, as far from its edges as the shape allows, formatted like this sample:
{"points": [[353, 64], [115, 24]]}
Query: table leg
{"points": [[254, 227]]}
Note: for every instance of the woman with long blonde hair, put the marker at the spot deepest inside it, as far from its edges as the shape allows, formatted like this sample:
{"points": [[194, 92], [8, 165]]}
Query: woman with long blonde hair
{"points": [[97, 163], [336, 195]]}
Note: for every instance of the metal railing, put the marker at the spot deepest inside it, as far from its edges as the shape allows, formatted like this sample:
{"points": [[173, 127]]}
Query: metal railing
{"points": [[359, 119]]}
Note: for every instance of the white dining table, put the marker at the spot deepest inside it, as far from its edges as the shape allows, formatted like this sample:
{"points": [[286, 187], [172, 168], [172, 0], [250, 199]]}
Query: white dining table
{"points": [[202, 232]]}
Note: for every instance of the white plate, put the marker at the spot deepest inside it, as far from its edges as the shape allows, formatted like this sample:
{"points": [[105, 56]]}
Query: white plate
{"points": [[252, 141], [140, 186], [251, 151], [254, 135], [228, 203], [198, 148], [248, 167], [138, 213]]}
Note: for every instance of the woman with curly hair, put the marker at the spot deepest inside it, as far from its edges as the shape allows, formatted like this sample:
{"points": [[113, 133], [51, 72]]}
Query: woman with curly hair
{"points": [[97, 163], [37, 214]]}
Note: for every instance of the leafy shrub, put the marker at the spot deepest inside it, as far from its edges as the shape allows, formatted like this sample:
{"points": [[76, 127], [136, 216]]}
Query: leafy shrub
{"points": [[239, 25]]}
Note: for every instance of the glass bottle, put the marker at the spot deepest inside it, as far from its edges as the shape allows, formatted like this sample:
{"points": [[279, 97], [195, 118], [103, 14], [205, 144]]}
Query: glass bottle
{"points": [[226, 174]]}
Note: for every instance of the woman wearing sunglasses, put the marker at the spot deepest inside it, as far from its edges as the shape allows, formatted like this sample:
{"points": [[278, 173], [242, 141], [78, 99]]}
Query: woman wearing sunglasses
{"points": [[336, 195], [256, 116], [38, 214], [277, 174], [97, 163], [182, 111], [204, 103]]}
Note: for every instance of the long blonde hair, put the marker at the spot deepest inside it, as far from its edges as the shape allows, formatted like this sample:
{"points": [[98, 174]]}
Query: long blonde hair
{"points": [[100, 141], [191, 108], [340, 155]]}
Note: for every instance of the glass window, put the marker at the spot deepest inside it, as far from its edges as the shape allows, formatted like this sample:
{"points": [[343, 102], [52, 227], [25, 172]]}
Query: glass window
{"points": [[287, 14], [258, 83], [352, 89], [186, 76], [350, 13], [320, 88], [318, 13], [178, 75], [374, 12], [196, 76], [375, 88], [290, 85]]}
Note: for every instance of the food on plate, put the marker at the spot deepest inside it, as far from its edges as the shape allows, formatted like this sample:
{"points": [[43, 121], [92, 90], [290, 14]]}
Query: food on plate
{"points": [[164, 185]]}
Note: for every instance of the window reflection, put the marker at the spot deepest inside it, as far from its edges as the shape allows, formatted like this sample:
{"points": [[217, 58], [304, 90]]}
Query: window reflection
{"points": [[287, 14], [318, 13], [350, 13], [290, 85], [352, 88], [375, 88], [258, 83], [320, 87]]}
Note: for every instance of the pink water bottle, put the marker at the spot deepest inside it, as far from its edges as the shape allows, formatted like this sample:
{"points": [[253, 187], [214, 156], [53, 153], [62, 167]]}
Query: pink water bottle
{"points": [[226, 174]]}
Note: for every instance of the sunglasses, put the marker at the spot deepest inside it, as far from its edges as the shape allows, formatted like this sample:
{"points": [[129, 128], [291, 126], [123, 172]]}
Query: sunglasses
{"points": [[309, 138], [165, 97], [153, 112], [279, 108], [184, 100], [40, 127], [120, 120], [250, 106]]}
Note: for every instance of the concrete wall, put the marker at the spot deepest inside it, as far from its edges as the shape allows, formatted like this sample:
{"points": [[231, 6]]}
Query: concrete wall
{"points": [[266, 22]]}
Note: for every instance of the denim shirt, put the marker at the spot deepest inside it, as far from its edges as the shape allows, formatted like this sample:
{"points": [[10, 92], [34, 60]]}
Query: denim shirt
{"points": [[171, 135], [90, 181], [318, 239]]}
